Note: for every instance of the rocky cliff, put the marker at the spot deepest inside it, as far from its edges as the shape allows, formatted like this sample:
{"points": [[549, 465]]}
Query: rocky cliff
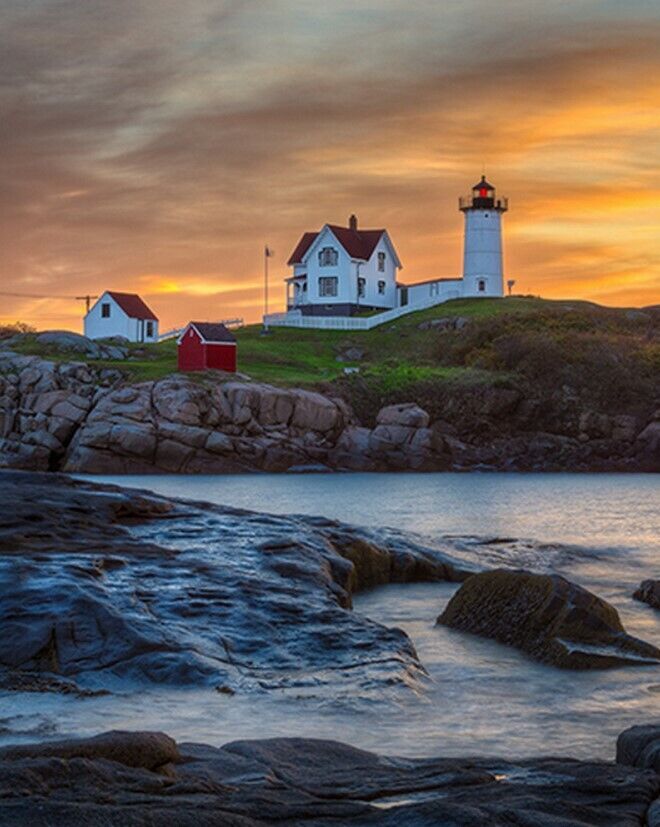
{"points": [[71, 416]]}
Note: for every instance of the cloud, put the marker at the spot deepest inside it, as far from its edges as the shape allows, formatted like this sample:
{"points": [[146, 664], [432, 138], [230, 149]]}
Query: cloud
{"points": [[153, 144]]}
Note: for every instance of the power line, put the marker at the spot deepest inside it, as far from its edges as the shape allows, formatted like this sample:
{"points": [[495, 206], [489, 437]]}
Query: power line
{"points": [[36, 296]]}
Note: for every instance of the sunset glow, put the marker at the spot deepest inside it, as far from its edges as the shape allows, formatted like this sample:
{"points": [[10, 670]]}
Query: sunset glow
{"points": [[155, 147]]}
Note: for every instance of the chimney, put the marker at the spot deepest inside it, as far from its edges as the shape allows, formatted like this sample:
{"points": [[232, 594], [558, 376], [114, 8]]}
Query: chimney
{"points": [[352, 223]]}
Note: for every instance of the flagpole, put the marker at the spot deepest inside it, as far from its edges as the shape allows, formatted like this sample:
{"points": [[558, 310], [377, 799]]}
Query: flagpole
{"points": [[267, 255]]}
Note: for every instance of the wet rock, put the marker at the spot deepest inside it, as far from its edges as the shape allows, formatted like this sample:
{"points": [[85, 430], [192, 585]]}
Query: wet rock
{"points": [[132, 749], [130, 779], [649, 592], [196, 594], [639, 746], [548, 617]]}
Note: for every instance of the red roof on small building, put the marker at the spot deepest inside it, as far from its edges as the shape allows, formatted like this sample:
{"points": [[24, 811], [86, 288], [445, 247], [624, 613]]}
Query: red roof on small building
{"points": [[212, 332], [358, 244], [132, 305]]}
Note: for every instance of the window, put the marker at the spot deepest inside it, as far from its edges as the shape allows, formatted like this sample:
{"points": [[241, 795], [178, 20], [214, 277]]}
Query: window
{"points": [[481, 286], [150, 329], [328, 286], [381, 262], [362, 284], [328, 257], [105, 310], [381, 287], [434, 288]]}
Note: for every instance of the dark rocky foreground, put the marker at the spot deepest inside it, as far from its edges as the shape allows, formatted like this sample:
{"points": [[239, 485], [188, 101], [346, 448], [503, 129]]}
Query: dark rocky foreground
{"points": [[139, 779], [70, 416], [649, 592], [104, 588]]}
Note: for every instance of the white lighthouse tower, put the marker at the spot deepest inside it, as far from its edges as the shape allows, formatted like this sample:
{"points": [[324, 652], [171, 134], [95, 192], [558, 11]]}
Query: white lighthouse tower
{"points": [[482, 251]]}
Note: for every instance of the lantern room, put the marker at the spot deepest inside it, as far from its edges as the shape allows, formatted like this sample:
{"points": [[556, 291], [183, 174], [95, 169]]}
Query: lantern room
{"points": [[483, 197]]}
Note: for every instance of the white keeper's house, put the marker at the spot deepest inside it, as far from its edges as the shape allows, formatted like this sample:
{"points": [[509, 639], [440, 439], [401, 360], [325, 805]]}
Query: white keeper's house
{"points": [[340, 273], [121, 314]]}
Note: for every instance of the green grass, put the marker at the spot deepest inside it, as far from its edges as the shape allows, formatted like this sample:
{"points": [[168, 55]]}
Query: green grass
{"points": [[395, 355]]}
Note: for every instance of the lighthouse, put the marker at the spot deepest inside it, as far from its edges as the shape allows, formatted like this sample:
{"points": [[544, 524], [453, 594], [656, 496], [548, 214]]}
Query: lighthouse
{"points": [[482, 250]]}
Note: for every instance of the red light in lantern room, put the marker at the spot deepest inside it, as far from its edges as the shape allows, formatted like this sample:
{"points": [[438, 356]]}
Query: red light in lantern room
{"points": [[483, 192]]}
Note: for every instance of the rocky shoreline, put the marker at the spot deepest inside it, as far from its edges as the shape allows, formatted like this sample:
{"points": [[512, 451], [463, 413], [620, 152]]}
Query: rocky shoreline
{"points": [[72, 417], [106, 589], [136, 779]]}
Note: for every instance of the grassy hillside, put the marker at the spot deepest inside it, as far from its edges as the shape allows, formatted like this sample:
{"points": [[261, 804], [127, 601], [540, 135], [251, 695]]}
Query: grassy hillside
{"points": [[609, 357]]}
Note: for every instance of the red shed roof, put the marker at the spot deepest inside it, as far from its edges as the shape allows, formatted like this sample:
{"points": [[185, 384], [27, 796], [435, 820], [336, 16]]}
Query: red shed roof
{"points": [[213, 332], [357, 243], [132, 305]]}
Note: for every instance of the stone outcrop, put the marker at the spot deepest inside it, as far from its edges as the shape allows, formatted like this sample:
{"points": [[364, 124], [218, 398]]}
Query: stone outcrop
{"points": [[649, 592], [639, 746], [79, 418], [106, 588], [123, 779], [548, 617]]}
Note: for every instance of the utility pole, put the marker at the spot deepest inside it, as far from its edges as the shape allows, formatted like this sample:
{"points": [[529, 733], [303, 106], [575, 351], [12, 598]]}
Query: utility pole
{"points": [[268, 253], [88, 301]]}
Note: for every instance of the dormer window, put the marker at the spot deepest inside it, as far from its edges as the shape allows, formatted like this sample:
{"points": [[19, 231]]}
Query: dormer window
{"points": [[328, 257], [381, 262]]}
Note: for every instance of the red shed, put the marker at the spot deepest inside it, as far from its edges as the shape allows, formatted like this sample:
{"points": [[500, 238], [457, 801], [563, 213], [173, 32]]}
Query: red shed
{"points": [[206, 346]]}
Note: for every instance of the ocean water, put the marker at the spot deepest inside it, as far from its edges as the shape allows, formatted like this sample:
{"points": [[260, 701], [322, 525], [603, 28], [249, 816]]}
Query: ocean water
{"points": [[602, 531]]}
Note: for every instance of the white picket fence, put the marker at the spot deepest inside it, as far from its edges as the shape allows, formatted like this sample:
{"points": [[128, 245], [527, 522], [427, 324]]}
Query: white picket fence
{"points": [[177, 331], [294, 318]]}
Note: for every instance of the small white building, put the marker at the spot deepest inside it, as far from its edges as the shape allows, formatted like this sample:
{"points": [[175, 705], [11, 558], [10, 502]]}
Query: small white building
{"points": [[121, 314], [341, 271]]}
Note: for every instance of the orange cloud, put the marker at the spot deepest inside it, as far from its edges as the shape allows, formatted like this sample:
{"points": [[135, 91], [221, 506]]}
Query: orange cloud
{"points": [[177, 143]]}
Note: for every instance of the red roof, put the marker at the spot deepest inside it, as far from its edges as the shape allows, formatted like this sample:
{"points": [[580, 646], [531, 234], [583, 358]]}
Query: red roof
{"points": [[132, 305], [212, 332], [357, 243]]}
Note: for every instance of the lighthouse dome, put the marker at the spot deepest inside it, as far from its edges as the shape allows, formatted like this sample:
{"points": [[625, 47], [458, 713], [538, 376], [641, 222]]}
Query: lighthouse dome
{"points": [[483, 185]]}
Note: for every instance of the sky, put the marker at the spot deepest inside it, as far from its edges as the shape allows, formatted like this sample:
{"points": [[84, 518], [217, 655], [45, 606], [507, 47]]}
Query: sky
{"points": [[155, 146]]}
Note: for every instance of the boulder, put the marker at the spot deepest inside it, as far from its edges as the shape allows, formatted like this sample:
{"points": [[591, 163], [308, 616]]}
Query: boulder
{"points": [[648, 441], [548, 617], [408, 415], [649, 592], [65, 340], [639, 746], [315, 412], [150, 750], [351, 354]]}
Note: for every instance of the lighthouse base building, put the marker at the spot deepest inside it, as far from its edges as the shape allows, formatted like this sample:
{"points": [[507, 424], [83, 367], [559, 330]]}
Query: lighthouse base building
{"points": [[346, 277]]}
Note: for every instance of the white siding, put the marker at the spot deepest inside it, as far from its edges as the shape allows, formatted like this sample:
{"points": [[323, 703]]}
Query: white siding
{"points": [[344, 271], [482, 253], [118, 323], [369, 271], [430, 290]]}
